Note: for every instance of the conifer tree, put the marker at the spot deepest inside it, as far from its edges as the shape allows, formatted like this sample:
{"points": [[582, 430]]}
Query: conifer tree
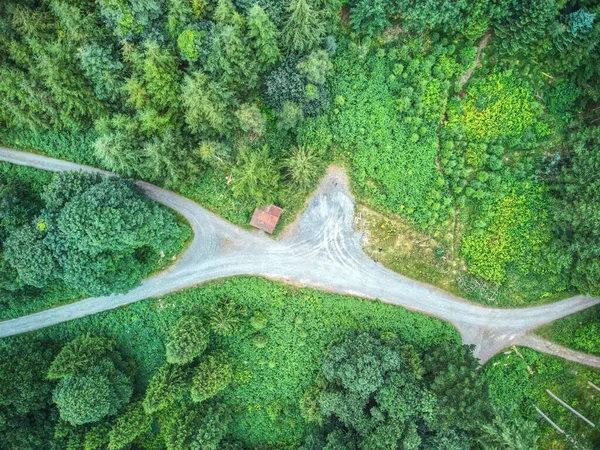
{"points": [[226, 14], [263, 36], [303, 29]]}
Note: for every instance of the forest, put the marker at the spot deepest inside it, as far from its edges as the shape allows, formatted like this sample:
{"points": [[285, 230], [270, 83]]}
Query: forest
{"points": [[471, 125]]}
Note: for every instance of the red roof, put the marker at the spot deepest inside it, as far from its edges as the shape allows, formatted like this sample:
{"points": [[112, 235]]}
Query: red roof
{"points": [[266, 218]]}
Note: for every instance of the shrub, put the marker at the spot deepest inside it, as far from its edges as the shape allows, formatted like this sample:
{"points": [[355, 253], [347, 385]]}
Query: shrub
{"points": [[260, 340]]}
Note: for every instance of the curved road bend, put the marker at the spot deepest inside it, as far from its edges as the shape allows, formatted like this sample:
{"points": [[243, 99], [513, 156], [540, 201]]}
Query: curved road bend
{"points": [[322, 251]]}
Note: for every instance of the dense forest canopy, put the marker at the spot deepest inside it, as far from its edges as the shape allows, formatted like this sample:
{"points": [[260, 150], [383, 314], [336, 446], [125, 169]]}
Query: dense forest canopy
{"points": [[473, 118]]}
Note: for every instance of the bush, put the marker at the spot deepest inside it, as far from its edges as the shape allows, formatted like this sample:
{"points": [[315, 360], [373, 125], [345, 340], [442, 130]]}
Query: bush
{"points": [[260, 340], [259, 320]]}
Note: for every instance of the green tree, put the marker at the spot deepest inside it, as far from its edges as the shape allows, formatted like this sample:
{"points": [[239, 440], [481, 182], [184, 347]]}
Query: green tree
{"points": [[113, 215], [94, 382], [263, 36], [316, 66], [87, 398], [128, 426], [303, 167], [527, 28], [116, 147], [78, 355], [23, 368], [103, 69], [213, 374], [166, 387], [255, 176], [370, 17], [206, 105], [188, 44], [461, 393], [290, 116], [187, 340], [575, 188], [231, 61], [251, 120], [303, 30], [83, 399], [196, 428], [25, 251], [226, 14], [226, 317]]}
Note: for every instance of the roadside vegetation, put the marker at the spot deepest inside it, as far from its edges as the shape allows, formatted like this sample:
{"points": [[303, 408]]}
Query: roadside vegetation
{"points": [[72, 235], [247, 363], [578, 331]]}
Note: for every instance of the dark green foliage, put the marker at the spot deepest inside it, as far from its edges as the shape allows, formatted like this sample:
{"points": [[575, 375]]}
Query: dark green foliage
{"points": [[84, 399], [187, 340], [103, 68], [78, 355], [94, 382], [575, 189], [98, 234], [461, 394], [23, 371], [370, 17], [72, 239], [527, 26], [284, 83], [379, 393], [419, 14], [131, 18], [25, 251]]}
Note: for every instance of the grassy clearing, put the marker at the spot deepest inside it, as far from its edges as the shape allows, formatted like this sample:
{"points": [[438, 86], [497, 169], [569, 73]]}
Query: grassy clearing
{"points": [[270, 381], [400, 246], [519, 382]]}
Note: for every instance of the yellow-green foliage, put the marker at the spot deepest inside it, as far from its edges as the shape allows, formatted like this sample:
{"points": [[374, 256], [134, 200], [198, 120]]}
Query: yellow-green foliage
{"points": [[516, 233], [500, 105]]}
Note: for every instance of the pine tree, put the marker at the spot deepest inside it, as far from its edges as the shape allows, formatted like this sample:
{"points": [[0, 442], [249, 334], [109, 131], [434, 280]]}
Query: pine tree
{"points": [[263, 36], [206, 105], [231, 59], [303, 29], [226, 14]]}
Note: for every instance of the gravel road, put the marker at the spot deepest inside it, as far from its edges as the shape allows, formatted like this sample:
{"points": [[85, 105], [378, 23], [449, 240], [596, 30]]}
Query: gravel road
{"points": [[322, 251]]}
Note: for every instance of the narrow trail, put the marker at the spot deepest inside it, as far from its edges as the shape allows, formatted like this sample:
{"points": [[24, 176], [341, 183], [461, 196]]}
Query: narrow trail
{"points": [[321, 251], [464, 79]]}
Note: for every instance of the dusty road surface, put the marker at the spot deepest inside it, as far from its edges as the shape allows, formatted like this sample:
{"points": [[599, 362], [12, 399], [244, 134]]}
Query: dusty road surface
{"points": [[322, 251]]}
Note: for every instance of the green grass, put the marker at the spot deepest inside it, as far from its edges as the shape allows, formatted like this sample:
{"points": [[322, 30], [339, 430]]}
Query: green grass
{"points": [[270, 381], [579, 331], [512, 385]]}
